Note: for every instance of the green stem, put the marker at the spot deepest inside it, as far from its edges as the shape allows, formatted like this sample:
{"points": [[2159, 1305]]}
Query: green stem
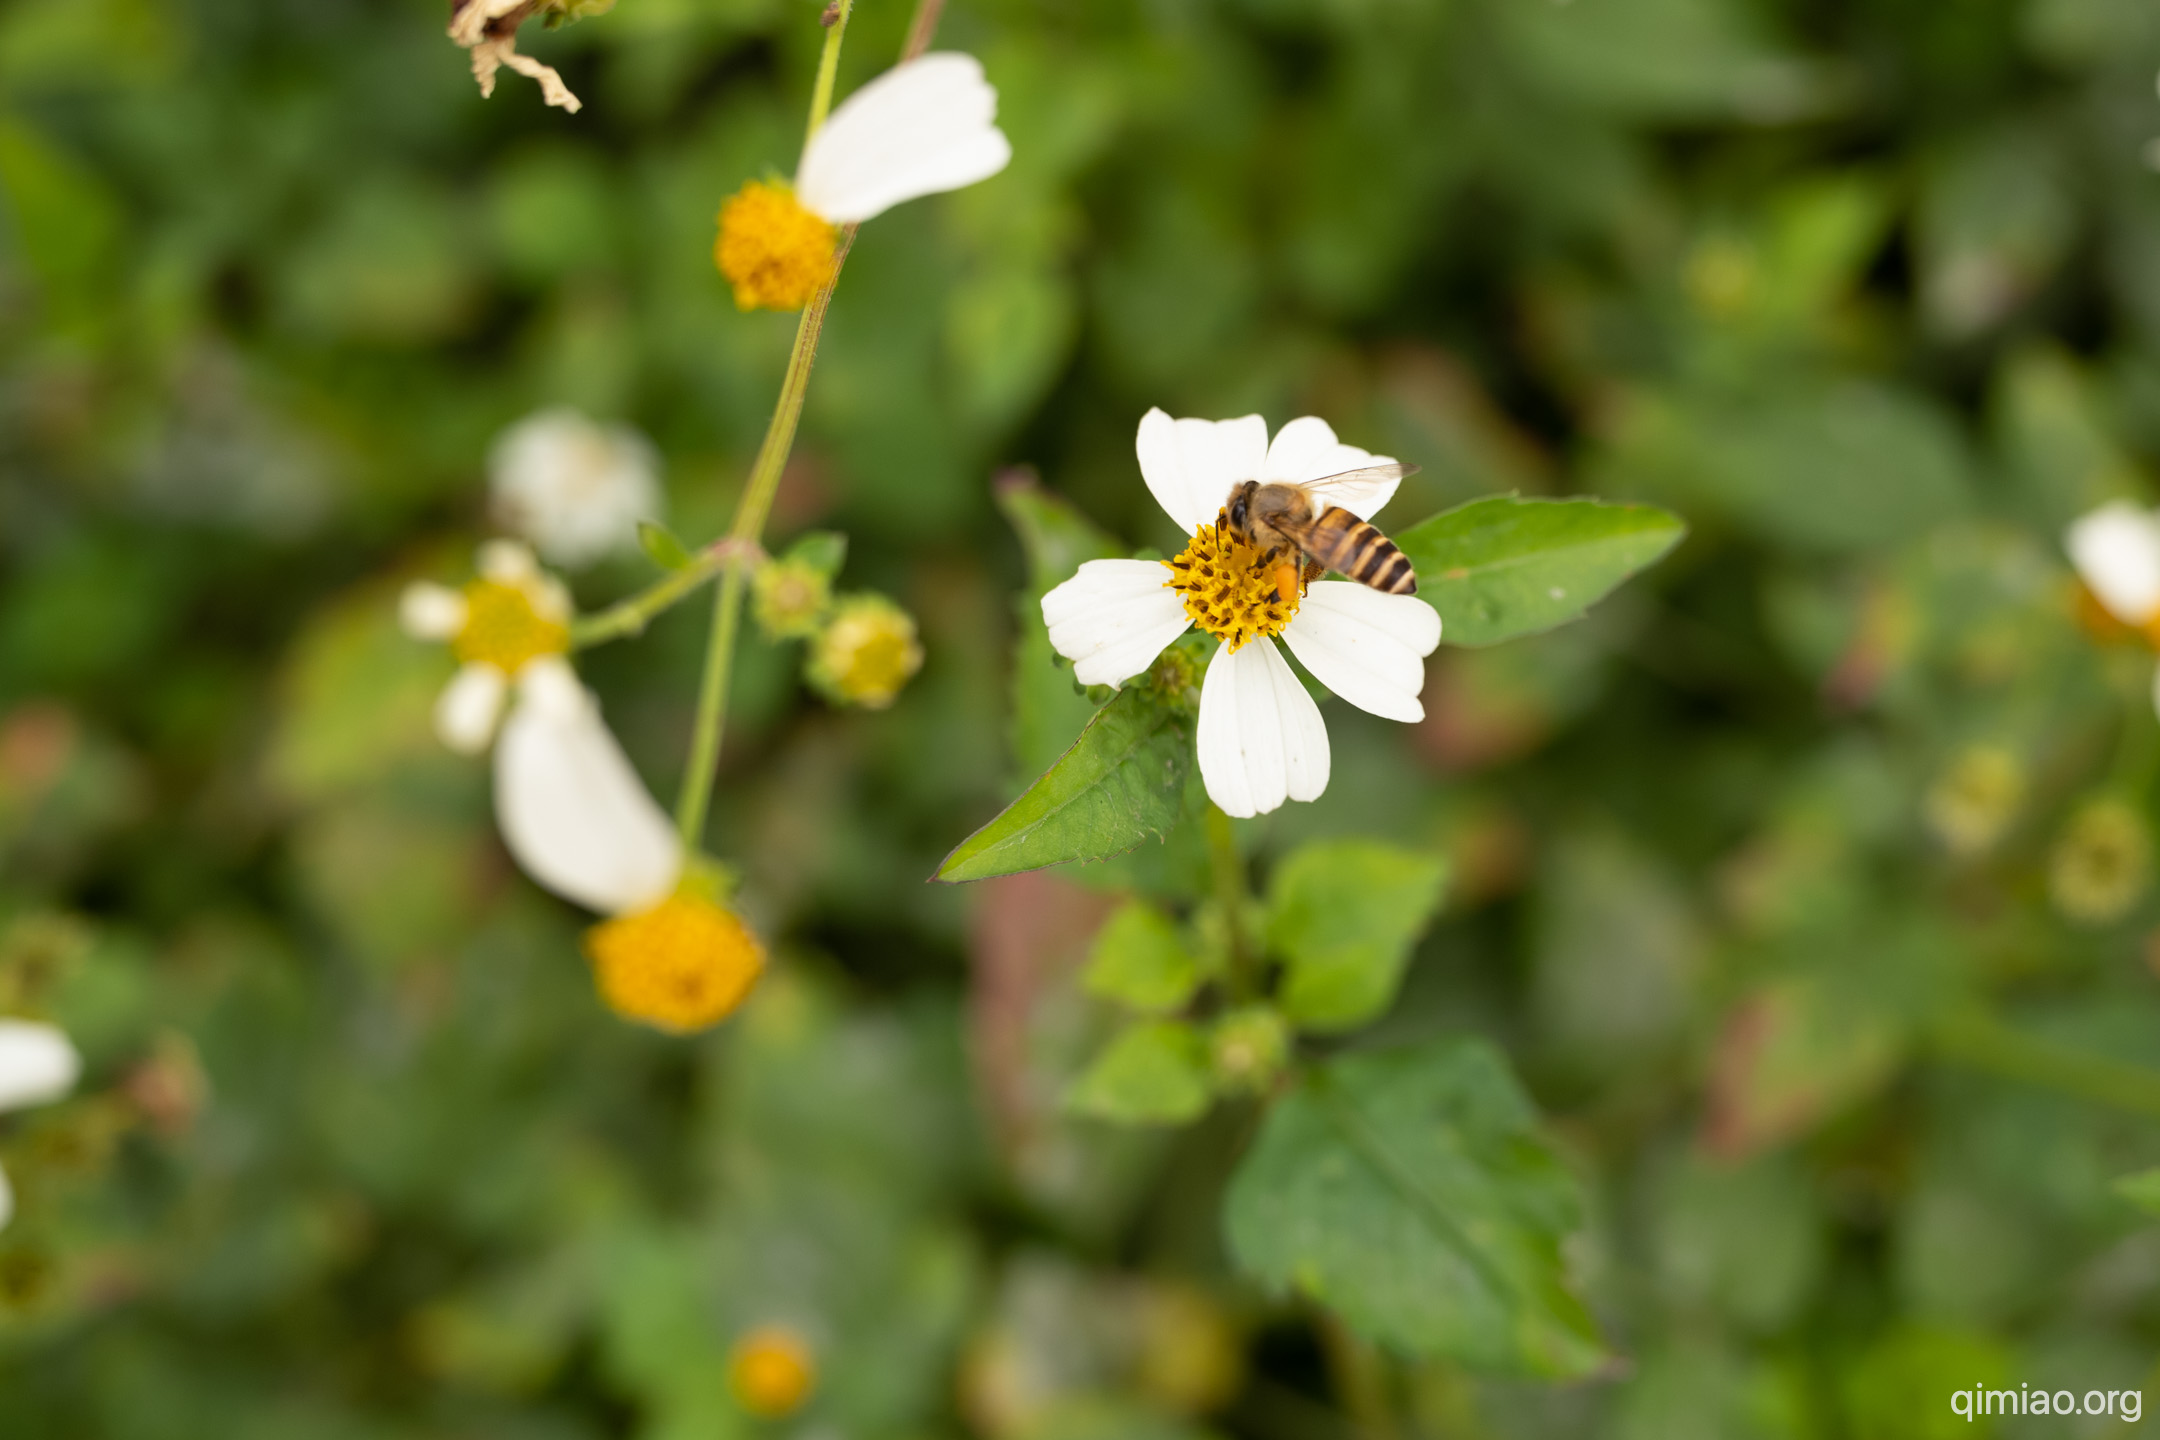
{"points": [[1228, 869], [828, 68], [1975, 1038], [631, 616]]}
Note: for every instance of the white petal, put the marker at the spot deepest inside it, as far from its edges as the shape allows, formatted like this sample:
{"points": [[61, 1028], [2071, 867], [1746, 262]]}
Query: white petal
{"points": [[574, 488], [469, 706], [918, 129], [1261, 738], [1113, 618], [37, 1063], [572, 811], [1298, 449], [1306, 450], [1192, 465], [2116, 550], [431, 612], [1367, 647], [508, 562]]}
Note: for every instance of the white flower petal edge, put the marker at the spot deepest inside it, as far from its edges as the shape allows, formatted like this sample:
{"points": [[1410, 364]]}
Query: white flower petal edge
{"points": [[1306, 449], [1261, 739], [575, 488], [920, 128], [37, 1063], [428, 611], [469, 706], [572, 810], [1113, 618], [1367, 647], [1190, 465], [2116, 550]]}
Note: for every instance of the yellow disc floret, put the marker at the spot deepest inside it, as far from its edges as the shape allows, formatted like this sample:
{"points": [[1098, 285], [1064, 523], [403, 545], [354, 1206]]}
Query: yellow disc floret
{"points": [[681, 965], [771, 1371], [504, 628], [773, 251], [1231, 590]]}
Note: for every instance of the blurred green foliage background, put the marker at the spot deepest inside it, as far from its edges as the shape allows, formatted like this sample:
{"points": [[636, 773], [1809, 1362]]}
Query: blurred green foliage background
{"points": [[1780, 879]]}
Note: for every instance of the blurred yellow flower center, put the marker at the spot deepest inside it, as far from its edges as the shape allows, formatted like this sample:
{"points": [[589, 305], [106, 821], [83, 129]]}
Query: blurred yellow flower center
{"points": [[773, 251], [681, 965], [867, 653], [504, 630], [1233, 591], [771, 1372]]}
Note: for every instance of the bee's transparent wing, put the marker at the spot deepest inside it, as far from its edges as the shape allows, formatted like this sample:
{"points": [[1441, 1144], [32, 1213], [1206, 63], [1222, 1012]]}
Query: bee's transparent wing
{"points": [[1362, 491]]}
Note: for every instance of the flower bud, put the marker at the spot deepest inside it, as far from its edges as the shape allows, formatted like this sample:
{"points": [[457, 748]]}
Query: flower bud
{"points": [[680, 965], [1972, 803], [771, 1371], [2102, 863], [1247, 1049], [865, 653], [789, 597]]}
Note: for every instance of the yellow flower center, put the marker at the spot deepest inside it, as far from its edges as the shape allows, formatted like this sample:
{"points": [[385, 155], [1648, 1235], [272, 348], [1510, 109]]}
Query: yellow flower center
{"points": [[504, 630], [867, 653], [1231, 590], [773, 251], [771, 1371], [681, 965]]}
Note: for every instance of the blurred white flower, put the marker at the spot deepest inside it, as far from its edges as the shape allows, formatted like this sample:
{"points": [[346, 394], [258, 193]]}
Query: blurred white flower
{"points": [[37, 1065], [2116, 551], [922, 127], [510, 623], [574, 488], [577, 819], [1261, 739]]}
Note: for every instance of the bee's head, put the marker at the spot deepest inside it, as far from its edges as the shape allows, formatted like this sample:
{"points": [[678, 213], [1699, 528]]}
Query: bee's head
{"points": [[1240, 504]]}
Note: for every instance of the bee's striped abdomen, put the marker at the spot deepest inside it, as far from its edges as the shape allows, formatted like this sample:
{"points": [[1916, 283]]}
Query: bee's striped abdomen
{"points": [[1346, 544]]}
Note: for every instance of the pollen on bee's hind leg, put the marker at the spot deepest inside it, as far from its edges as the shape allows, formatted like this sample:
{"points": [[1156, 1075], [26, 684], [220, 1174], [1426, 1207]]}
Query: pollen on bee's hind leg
{"points": [[1287, 582]]}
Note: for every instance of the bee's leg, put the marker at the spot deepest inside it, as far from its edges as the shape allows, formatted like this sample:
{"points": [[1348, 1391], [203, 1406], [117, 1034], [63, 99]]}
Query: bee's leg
{"points": [[1313, 570], [1286, 572]]}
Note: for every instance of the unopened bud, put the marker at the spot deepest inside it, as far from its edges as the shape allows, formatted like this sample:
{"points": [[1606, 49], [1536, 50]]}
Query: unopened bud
{"points": [[865, 653], [789, 598], [1973, 802], [1247, 1049], [2102, 863]]}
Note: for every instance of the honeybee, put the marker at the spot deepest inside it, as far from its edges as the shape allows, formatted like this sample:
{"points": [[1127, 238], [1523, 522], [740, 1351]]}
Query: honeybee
{"points": [[1293, 523]]}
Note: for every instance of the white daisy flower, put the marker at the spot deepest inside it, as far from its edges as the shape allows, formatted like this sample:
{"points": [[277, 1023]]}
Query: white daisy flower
{"points": [[37, 1065], [2116, 551], [575, 489], [510, 623], [1260, 738], [920, 128], [577, 819]]}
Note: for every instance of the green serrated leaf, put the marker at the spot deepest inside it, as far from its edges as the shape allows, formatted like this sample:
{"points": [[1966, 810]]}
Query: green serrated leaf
{"points": [[1408, 1191], [1122, 782], [660, 545], [824, 551], [1139, 959], [1345, 914], [2141, 1190], [1503, 566], [1155, 1073]]}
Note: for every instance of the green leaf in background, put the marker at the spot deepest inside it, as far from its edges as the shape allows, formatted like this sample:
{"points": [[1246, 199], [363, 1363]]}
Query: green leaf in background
{"points": [[1140, 960], [824, 551], [1048, 706], [1155, 1073], [1121, 782], [2141, 1190], [1503, 566], [1345, 914], [661, 547], [1408, 1191]]}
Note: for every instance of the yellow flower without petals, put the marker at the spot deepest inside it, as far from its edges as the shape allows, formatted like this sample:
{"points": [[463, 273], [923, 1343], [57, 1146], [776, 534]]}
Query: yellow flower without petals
{"points": [[771, 1371], [680, 965], [1231, 590], [772, 250], [505, 629], [866, 653], [789, 598], [2101, 864]]}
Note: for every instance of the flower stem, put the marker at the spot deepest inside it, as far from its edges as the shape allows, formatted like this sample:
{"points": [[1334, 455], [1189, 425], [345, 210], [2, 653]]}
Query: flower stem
{"points": [[1228, 869], [631, 616], [1975, 1038], [757, 497]]}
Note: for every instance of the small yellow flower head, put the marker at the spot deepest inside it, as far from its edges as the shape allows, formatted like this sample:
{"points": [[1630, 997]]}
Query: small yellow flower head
{"points": [[1248, 1047], [680, 966], [865, 653], [789, 598], [771, 1371], [1973, 802], [506, 628], [772, 250], [1231, 590], [2102, 863]]}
